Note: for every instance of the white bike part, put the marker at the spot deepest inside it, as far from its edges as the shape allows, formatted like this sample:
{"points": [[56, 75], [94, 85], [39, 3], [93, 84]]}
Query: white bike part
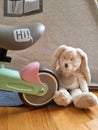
{"points": [[49, 79]]}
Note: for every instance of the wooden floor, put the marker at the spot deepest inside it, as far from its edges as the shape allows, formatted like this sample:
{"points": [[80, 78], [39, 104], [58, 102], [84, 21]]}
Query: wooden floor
{"points": [[48, 118]]}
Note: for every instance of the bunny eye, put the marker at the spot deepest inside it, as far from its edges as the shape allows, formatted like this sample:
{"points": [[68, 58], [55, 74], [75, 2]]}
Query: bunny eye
{"points": [[71, 59]]}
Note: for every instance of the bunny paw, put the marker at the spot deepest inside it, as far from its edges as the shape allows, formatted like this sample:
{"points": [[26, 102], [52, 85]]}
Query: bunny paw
{"points": [[85, 100], [62, 98]]}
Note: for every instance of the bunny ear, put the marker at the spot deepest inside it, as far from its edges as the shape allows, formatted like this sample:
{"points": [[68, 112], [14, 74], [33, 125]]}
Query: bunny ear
{"points": [[56, 56], [84, 65]]}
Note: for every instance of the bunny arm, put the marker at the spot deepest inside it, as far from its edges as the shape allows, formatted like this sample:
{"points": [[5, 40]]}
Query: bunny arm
{"points": [[83, 84]]}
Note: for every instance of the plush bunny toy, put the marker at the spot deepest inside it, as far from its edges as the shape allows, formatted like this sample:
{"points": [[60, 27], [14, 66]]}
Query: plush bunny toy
{"points": [[71, 66]]}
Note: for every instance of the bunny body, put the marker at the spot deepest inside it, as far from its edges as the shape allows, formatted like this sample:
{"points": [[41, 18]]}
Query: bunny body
{"points": [[71, 66]]}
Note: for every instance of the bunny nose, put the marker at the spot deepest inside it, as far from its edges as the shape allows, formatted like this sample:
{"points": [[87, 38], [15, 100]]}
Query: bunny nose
{"points": [[66, 65]]}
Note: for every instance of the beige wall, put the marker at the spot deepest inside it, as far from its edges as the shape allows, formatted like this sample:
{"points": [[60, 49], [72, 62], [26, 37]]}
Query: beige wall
{"points": [[69, 22]]}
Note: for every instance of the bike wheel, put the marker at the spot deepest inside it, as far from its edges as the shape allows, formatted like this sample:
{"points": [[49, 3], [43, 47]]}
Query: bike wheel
{"points": [[48, 78]]}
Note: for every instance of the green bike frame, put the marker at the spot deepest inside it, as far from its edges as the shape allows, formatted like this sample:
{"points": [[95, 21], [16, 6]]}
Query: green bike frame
{"points": [[10, 80]]}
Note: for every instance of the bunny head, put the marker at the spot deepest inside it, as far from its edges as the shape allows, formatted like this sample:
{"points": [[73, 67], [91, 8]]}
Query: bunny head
{"points": [[70, 59]]}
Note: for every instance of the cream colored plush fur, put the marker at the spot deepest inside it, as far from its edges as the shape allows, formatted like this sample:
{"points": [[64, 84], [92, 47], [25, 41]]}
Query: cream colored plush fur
{"points": [[71, 66]]}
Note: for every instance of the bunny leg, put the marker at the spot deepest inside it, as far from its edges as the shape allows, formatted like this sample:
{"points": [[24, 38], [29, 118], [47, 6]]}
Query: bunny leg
{"points": [[62, 97], [83, 100]]}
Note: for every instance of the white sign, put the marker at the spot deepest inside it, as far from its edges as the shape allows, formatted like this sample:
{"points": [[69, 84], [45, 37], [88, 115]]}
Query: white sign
{"points": [[22, 35]]}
